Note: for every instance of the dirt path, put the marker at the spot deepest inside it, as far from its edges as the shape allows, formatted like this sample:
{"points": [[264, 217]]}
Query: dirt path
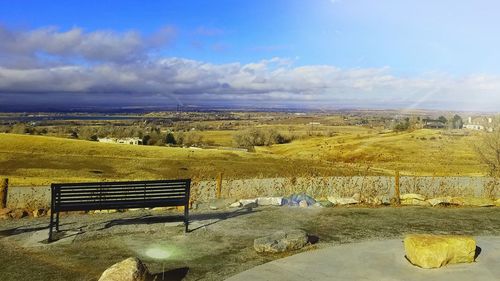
{"points": [[220, 244]]}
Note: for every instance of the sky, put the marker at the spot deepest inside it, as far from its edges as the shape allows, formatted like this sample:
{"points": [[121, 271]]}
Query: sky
{"points": [[319, 54]]}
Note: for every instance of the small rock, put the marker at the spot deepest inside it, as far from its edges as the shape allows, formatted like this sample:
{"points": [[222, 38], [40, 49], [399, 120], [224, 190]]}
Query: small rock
{"points": [[18, 213], [131, 269], [473, 201], [409, 196], [281, 241], [357, 197], [380, 200], [135, 209], [414, 202], [248, 203], [5, 211], [303, 204], [163, 209], [235, 205], [433, 251], [270, 201], [325, 203], [342, 201], [39, 213], [97, 212], [497, 203], [384, 199], [441, 201]]}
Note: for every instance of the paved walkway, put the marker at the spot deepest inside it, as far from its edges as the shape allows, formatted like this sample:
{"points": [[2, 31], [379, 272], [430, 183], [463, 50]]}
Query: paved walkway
{"points": [[375, 260]]}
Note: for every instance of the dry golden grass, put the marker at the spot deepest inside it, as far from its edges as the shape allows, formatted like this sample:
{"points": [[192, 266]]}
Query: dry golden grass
{"points": [[37, 160], [422, 152]]}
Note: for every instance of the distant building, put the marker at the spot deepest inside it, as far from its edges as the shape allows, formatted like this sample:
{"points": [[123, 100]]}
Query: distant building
{"points": [[434, 124], [479, 124], [130, 141], [474, 127]]}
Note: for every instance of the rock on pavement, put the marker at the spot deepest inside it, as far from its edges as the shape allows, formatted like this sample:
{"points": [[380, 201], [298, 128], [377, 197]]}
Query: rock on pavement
{"points": [[281, 241], [342, 201], [270, 201], [434, 251], [131, 269]]}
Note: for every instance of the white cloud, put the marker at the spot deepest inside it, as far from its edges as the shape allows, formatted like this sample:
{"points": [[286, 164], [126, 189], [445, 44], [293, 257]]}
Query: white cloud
{"points": [[119, 65]]}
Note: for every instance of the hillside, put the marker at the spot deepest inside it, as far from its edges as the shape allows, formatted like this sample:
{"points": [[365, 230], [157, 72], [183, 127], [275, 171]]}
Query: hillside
{"points": [[422, 152], [38, 160]]}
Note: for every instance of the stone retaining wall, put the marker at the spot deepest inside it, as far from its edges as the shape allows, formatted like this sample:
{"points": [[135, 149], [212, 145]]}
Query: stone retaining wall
{"points": [[317, 187]]}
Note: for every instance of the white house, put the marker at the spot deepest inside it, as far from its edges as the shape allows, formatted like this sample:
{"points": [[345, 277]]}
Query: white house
{"points": [[479, 124], [131, 141]]}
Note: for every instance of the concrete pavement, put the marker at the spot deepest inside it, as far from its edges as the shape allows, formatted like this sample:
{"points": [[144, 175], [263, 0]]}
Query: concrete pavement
{"points": [[374, 260]]}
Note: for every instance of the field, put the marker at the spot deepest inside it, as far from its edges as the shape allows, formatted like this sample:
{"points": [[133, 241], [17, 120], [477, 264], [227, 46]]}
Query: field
{"points": [[344, 150]]}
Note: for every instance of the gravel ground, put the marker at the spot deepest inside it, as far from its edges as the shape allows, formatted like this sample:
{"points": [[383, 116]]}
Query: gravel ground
{"points": [[220, 242]]}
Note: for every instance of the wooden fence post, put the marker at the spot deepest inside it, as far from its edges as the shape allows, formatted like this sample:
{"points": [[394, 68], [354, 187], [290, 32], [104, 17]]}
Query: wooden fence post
{"points": [[219, 185], [396, 189], [4, 190]]}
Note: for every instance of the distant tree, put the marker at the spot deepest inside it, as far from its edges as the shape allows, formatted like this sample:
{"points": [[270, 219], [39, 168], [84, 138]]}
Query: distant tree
{"points": [[19, 128], [145, 139], [443, 119], [402, 125], [488, 151], [457, 122], [170, 138], [259, 137]]}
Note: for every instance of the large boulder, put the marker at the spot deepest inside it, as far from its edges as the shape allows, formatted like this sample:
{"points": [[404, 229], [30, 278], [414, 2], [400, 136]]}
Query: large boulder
{"points": [[248, 203], [342, 201], [281, 241], [18, 213], [408, 196], [473, 201], [414, 202], [270, 201], [413, 199], [433, 251], [131, 269]]}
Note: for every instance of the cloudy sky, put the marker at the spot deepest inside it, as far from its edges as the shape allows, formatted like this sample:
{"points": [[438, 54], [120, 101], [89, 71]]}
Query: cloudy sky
{"points": [[322, 54]]}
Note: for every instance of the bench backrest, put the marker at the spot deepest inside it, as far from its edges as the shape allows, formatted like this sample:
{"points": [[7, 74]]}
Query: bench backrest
{"points": [[119, 195]]}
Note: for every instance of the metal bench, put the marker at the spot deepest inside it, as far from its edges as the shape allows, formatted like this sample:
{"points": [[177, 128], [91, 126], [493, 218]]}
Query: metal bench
{"points": [[118, 195]]}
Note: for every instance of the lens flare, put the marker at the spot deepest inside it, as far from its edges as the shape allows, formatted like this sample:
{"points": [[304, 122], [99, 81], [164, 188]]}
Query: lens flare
{"points": [[158, 253]]}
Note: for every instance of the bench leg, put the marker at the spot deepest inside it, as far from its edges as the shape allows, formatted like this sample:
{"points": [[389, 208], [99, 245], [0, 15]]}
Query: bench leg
{"points": [[57, 221], [186, 218], [51, 224]]}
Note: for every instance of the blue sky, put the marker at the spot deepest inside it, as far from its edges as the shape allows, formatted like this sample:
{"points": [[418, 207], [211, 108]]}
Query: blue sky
{"points": [[429, 54]]}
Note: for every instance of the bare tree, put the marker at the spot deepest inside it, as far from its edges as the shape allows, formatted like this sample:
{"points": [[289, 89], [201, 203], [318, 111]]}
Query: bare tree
{"points": [[489, 152]]}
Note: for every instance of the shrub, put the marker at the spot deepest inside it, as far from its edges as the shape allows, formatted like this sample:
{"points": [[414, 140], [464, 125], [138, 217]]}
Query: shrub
{"points": [[260, 137]]}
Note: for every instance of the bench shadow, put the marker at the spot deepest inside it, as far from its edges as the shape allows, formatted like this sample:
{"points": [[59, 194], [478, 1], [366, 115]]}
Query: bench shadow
{"points": [[177, 274], [153, 219], [477, 253], [24, 229]]}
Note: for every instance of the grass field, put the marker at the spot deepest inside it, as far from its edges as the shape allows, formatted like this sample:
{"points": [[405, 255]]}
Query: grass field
{"points": [[422, 152], [38, 160]]}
